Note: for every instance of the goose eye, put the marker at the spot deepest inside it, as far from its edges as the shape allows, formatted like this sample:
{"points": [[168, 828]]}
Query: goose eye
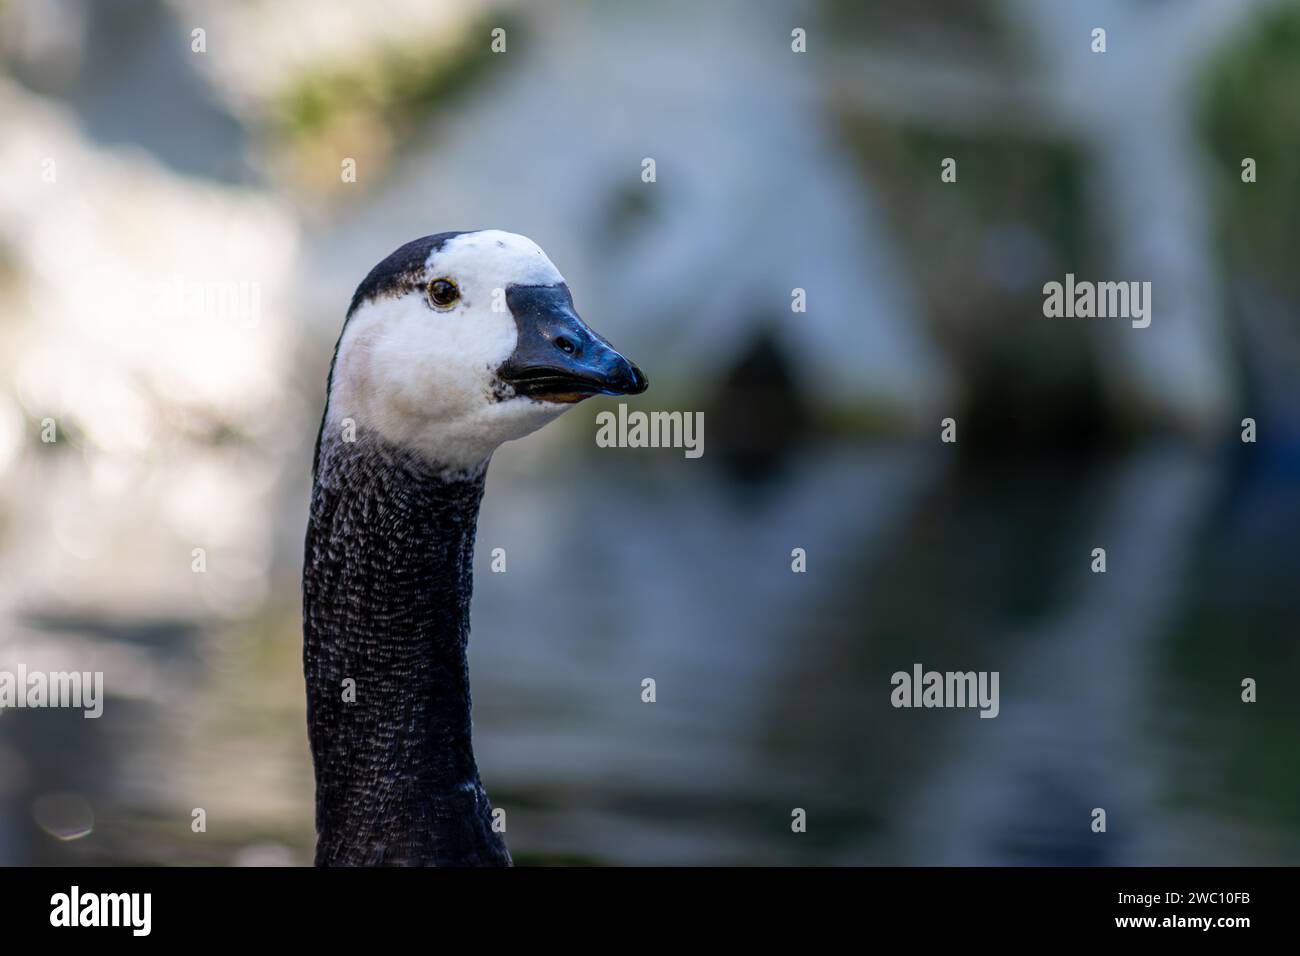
{"points": [[443, 292]]}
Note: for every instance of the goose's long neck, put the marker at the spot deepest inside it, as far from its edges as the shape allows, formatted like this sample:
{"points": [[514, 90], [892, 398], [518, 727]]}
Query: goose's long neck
{"points": [[386, 596]]}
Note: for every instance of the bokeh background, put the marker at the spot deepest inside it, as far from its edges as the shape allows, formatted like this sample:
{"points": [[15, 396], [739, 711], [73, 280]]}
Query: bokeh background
{"points": [[187, 423]]}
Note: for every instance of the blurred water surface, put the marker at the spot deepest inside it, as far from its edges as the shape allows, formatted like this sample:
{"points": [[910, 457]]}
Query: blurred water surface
{"points": [[1118, 690]]}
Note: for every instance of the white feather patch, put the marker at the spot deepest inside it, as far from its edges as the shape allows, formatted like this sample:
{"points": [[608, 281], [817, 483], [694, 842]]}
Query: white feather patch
{"points": [[424, 378]]}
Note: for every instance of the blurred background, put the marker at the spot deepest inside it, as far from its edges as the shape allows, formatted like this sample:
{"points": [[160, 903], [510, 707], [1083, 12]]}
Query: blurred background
{"points": [[140, 174]]}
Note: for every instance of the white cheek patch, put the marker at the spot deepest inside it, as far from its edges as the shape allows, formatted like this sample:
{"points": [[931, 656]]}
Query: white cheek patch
{"points": [[424, 378]]}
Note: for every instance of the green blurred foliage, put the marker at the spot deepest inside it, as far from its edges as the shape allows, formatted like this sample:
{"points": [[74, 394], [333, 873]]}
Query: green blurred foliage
{"points": [[394, 87], [1250, 110]]}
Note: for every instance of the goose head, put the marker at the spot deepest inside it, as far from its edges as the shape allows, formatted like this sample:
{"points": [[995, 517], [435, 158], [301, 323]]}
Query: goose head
{"points": [[458, 342]]}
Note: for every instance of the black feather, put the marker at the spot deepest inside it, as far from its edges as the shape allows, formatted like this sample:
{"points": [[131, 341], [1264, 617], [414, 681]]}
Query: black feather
{"points": [[387, 579]]}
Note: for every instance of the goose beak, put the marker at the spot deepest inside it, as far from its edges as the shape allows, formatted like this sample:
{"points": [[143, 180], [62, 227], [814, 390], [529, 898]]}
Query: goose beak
{"points": [[557, 358]]}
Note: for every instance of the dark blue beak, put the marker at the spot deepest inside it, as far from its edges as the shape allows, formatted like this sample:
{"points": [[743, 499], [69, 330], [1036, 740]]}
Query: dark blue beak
{"points": [[557, 357]]}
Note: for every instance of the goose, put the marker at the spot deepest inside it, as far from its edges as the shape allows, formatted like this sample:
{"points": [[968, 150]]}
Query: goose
{"points": [[452, 345]]}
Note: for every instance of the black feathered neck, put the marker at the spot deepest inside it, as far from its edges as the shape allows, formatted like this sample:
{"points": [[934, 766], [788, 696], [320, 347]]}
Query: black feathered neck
{"points": [[387, 579]]}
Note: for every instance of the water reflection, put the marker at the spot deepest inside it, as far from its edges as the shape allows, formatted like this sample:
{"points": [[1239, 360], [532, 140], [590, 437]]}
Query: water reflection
{"points": [[1118, 690]]}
